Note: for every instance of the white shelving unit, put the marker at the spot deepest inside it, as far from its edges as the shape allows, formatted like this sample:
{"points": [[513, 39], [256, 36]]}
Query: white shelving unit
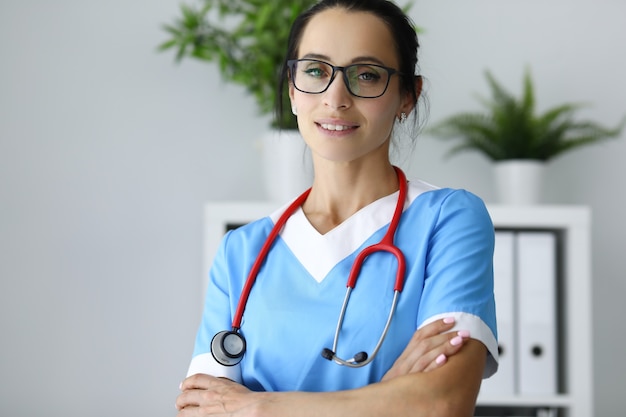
{"points": [[572, 226], [575, 395]]}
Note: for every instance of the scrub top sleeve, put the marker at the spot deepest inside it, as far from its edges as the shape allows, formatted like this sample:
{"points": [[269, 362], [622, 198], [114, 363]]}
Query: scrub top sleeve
{"points": [[216, 317], [459, 271]]}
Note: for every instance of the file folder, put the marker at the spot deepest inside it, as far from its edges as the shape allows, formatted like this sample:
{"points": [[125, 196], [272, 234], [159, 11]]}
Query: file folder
{"points": [[503, 381], [536, 313]]}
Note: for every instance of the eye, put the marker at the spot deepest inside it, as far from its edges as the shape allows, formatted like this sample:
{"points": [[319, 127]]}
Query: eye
{"points": [[369, 76], [315, 70], [368, 73]]}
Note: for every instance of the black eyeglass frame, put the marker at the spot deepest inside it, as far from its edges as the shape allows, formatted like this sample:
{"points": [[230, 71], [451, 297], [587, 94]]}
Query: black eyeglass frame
{"points": [[292, 63]]}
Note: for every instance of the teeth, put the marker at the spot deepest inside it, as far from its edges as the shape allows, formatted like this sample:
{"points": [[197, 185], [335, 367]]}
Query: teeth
{"points": [[335, 127]]}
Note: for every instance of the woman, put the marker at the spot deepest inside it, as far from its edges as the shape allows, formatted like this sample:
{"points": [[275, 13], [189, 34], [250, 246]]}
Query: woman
{"points": [[350, 72]]}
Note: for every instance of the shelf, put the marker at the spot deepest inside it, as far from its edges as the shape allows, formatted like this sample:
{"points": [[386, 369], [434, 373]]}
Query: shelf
{"points": [[572, 225], [526, 401]]}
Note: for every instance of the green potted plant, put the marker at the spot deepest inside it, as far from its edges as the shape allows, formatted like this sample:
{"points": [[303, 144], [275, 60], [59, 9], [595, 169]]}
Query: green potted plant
{"points": [[515, 138], [247, 39]]}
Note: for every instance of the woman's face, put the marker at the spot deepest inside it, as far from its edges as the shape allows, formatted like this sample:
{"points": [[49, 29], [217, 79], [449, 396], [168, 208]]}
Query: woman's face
{"points": [[336, 125]]}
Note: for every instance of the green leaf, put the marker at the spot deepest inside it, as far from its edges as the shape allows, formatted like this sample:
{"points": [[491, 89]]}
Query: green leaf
{"points": [[510, 129]]}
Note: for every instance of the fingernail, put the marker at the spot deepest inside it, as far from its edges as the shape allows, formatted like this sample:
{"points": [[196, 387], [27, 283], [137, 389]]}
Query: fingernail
{"points": [[180, 386], [440, 359], [464, 333], [448, 320], [456, 341]]}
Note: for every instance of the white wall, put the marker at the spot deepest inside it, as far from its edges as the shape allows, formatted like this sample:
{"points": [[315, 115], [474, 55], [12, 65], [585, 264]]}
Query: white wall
{"points": [[108, 151]]}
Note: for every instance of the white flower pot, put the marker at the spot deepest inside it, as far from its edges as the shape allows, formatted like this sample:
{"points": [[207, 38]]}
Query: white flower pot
{"points": [[519, 181], [287, 166]]}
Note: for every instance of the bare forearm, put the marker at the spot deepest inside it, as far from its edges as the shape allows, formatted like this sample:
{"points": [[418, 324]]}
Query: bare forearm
{"points": [[449, 391], [391, 398], [381, 399]]}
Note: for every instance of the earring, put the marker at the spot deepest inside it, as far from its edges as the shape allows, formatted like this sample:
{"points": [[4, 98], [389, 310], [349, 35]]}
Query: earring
{"points": [[294, 110], [402, 117]]}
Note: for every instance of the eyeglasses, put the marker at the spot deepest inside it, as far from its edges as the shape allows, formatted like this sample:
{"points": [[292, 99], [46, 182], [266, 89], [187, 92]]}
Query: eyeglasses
{"points": [[362, 80]]}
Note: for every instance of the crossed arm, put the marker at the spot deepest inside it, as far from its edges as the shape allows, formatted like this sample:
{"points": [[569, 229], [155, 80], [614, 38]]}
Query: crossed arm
{"points": [[418, 384]]}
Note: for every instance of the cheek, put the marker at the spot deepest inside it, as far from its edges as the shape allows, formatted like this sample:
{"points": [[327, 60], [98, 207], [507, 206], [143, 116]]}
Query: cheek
{"points": [[382, 114], [304, 99], [305, 104]]}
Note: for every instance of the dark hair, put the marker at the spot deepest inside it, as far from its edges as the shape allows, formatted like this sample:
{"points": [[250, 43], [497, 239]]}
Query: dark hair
{"points": [[401, 27]]}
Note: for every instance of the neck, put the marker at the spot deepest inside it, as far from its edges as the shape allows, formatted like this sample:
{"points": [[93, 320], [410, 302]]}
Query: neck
{"points": [[340, 192]]}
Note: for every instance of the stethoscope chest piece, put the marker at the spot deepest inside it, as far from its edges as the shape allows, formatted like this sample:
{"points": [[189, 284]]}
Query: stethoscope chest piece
{"points": [[228, 347]]}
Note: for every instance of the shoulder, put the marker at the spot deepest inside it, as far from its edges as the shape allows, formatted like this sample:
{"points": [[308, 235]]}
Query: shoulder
{"points": [[247, 236], [425, 197], [453, 214]]}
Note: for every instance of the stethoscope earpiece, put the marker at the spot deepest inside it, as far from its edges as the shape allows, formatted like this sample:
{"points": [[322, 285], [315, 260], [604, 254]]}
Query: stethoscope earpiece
{"points": [[360, 357], [228, 347], [355, 361], [328, 354]]}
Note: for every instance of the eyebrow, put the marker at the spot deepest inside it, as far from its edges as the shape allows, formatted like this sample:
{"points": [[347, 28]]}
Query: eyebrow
{"points": [[354, 60]]}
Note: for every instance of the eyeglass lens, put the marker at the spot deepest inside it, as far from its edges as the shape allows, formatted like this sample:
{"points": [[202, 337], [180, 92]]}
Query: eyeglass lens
{"points": [[362, 80]]}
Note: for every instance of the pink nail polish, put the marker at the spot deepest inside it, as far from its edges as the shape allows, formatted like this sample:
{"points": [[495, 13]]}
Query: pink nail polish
{"points": [[463, 333], [440, 359], [456, 341], [449, 320]]}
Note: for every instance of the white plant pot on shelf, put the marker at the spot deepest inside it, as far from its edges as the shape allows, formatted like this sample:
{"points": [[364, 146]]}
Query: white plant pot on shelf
{"points": [[519, 181], [287, 166]]}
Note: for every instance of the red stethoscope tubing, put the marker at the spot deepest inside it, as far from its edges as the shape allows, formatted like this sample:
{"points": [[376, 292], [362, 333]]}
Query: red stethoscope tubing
{"points": [[245, 292], [386, 245]]}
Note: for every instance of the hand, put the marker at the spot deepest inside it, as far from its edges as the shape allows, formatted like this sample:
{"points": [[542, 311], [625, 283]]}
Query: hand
{"points": [[429, 348], [204, 395]]}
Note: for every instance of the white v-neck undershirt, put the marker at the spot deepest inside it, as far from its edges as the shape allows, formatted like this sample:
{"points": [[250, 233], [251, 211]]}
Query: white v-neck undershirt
{"points": [[319, 253]]}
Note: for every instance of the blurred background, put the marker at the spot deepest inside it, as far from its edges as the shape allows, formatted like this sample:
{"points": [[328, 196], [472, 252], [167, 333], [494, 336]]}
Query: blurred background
{"points": [[108, 151]]}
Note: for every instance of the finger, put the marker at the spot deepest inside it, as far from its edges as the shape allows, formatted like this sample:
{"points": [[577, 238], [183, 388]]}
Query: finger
{"points": [[425, 338], [426, 344], [447, 350], [429, 356], [202, 381], [193, 400], [200, 412], [188, 412], [193, 387], [435, 328], [196, 381], [186, 399]]}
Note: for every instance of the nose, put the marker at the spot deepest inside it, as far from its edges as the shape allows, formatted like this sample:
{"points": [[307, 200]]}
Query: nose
{"points": [[337, 95]]}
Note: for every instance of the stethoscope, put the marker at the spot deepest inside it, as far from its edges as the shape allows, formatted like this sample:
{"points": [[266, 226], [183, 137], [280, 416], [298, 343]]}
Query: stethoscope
{"points": [[229, 346]]}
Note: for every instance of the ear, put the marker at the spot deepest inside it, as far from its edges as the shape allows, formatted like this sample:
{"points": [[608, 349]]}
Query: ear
{"points": [[292, 103], [290, 86], [419, 83], [408, 104], [291, 92]]}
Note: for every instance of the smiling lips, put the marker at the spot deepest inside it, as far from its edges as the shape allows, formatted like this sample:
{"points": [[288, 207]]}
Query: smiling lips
{"points": [[337, 127]]}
